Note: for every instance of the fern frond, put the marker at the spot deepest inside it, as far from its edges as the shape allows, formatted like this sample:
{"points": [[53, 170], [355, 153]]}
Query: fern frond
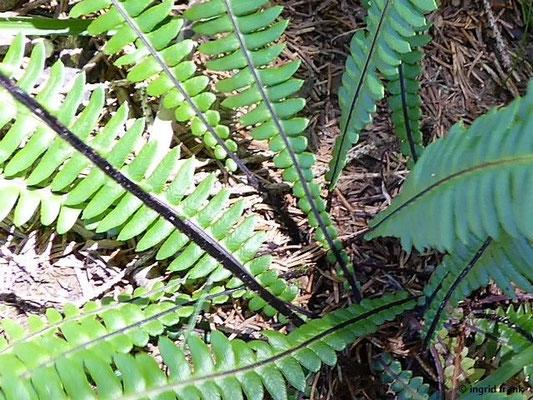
{"points": [[400, 381], [513, 327], [502, 375], [248, 43], [170, 73], [226, 369], [405, 100], [45, 172], [379, 48], [507, 262], [471, 183], [101, 330], [141, 297]]}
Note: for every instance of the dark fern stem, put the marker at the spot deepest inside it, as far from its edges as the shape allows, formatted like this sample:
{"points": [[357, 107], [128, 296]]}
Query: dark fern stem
{"points": [[432, 296], [405, 110], [450, 291], [196, 234]]}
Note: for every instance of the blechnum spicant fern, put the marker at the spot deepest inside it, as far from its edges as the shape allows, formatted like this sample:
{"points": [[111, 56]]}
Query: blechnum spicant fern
{"points": [[246, 45], [164, 32], [386, 47], [468, 195], [400, 381], [46, 173], [55, 364]]}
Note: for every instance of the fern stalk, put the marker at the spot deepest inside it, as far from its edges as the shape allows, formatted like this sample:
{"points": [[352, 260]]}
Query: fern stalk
{"points": [[203, 240], [277, 123], [252, 180]]}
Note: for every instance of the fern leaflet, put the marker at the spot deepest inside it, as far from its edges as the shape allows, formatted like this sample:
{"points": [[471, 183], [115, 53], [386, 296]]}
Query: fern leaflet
{"points": [[225, 369]]}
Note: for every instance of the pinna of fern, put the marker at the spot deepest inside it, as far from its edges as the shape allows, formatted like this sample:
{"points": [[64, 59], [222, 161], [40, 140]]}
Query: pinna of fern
{"points": [[228, 369], [246, 45], [381, 47], [47, 172], [191, 101]]}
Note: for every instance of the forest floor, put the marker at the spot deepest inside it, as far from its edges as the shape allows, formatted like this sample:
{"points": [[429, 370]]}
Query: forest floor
{"points": [[480, 58]]}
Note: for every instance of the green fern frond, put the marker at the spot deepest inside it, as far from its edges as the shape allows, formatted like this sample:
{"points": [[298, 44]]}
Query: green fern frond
{"points": [[507, 262], [224, 369], [246, 40], [471, 183], [141, 297], [400, 381], [512, 326], [501, 376], [103, 331], [391, 25], [47, 173], [405, 101], [163, 30]]}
